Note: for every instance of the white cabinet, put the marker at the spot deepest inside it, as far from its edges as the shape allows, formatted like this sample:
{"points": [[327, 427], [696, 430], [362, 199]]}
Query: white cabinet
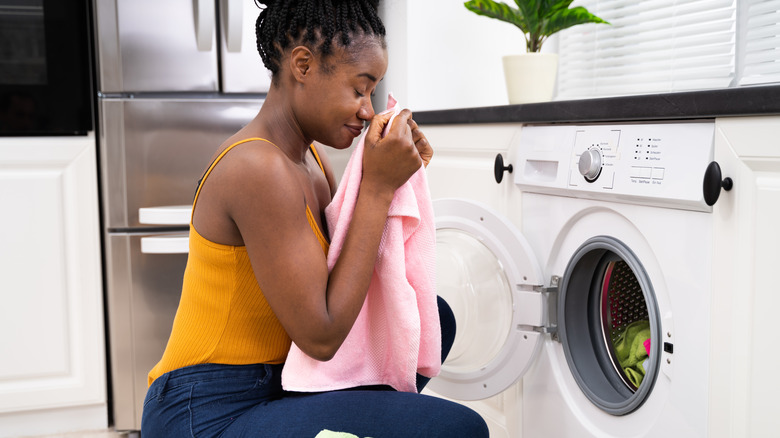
{"points": [[462, 167], [745, 291], [52, 343]]}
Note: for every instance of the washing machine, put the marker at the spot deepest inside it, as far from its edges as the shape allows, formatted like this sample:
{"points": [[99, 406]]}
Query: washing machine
{"points": [[578, 259]]}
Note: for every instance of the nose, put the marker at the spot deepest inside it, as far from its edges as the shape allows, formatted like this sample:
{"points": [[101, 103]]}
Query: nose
{"points": [[366, 111]]}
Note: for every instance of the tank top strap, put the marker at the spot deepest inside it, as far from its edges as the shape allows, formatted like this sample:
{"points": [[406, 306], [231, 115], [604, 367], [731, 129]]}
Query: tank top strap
{"points": [[316, 156], [216, 160]]}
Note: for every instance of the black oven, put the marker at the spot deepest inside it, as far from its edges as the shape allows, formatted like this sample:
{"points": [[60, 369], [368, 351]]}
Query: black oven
{"points": [[45, 67]]}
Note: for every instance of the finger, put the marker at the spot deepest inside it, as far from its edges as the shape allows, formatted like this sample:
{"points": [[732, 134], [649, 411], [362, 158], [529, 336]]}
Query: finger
{"points": [[417, 135], [400, 125], [377, 126], [413, 124], [416, 132], [422, 144]]}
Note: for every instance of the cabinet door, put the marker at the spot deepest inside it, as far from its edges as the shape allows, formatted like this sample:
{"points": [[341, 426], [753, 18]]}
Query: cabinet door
{"points": [[745, 288], [462, 167], [52, 372]]}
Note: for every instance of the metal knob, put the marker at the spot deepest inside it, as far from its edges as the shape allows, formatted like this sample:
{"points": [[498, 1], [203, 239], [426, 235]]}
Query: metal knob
{"points": [[499, 168], [590, 164]]}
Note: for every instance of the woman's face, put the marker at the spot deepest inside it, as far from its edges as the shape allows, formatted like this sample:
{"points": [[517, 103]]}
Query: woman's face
{"points": [[336, 100]]}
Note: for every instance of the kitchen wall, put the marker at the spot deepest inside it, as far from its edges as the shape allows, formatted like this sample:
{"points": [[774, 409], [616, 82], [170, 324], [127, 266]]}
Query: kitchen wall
{"points": [[444, 56]]}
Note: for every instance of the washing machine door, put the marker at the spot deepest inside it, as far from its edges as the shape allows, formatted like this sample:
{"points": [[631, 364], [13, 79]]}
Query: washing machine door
{"points": [[487, 273]]}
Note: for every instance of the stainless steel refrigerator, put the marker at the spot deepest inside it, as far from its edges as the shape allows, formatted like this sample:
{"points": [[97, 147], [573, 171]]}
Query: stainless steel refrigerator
{"points": [[176, 78]]}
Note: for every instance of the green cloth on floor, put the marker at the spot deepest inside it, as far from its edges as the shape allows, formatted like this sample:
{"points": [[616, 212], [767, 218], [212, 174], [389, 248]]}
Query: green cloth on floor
{"points": [[631, 352]]}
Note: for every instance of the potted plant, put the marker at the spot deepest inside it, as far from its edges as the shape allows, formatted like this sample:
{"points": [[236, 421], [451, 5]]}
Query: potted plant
{"points": [[530, 77]]}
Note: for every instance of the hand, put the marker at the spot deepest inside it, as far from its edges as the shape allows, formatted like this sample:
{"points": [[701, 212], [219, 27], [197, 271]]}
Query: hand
{"points": [[421, 143], [392, 160]]}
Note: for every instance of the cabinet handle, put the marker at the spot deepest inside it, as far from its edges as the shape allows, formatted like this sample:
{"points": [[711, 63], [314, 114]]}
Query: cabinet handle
{"points": [[499, 168], [713, 183], [234, 11], [204, 24], [179, 244]]}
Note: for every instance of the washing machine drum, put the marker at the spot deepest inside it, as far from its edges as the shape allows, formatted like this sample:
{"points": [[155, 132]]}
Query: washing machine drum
{"points": [[606, 311], [609, 325]]}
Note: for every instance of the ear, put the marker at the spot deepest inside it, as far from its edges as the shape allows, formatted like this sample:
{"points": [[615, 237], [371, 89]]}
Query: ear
{"points": [[301, 62]]}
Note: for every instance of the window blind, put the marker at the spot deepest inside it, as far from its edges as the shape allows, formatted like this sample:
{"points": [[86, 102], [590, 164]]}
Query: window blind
{"points": [[650, 47], [759, 42]]}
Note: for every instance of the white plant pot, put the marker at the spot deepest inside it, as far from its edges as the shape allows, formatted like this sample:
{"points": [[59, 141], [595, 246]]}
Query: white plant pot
{"points": [[530, 77]]}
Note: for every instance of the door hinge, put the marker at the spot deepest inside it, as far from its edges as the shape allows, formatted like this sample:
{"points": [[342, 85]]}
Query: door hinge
{"points": [[550, 307]]}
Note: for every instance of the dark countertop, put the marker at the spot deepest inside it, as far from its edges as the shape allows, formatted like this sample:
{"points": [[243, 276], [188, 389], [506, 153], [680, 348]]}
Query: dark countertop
{"points": [[743, 101]]}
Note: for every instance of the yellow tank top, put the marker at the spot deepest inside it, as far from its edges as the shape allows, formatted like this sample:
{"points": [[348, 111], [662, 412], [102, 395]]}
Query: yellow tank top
{"points": [[223, 316]]}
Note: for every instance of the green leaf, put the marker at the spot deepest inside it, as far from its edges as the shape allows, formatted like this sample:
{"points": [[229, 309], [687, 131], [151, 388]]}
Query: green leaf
{"points": [[567, 18], [530, 9], [538, 19], [551, 7], [497, 10]]}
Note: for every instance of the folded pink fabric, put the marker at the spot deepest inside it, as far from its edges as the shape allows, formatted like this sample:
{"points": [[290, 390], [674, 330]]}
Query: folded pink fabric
{"points": [[397, 332]]}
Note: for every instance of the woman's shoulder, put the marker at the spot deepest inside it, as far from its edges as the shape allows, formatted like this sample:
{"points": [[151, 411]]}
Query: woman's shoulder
{"points": [[257, 156], [253, 167], [246, 181]]}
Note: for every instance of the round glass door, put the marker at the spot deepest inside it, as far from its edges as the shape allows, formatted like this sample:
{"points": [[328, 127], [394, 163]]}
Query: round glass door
{"points": [[487, 273], [474, 284]]}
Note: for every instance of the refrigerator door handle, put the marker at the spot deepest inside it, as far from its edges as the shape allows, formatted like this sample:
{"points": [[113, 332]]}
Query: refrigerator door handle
{"points": [[204, 24], [165, 215], [170, 244], [233, 13]]}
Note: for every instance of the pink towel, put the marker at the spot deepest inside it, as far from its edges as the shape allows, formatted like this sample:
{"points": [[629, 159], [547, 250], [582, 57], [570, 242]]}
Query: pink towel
{"points": [[397, 332]]}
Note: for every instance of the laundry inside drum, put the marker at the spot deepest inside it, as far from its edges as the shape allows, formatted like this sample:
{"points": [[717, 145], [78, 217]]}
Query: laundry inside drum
{"points": [[625, 323], [471, 279], [608, 321]]}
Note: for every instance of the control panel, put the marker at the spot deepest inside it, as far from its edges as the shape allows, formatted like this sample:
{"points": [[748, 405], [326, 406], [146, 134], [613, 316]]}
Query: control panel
{"points": [[654, 163]]}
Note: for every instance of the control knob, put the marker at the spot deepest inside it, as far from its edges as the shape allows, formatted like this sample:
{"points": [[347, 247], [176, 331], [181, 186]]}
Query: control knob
{"points": [[590, 164]]}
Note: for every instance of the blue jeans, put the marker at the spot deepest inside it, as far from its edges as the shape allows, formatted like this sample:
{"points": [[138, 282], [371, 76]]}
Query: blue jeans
{"points": [[214, 400]]}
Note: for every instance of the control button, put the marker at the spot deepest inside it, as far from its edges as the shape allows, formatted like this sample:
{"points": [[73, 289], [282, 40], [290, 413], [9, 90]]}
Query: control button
{"points": [[658, 173], [641, 172], [608, 179], [590, 164], [574, 178]]}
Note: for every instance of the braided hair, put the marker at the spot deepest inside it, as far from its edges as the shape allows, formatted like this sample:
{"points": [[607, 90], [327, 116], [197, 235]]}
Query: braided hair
{"points": [[316, 23]]}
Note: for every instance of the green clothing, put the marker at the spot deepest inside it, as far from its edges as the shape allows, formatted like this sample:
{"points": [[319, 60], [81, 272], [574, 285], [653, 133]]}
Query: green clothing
{"points": [[630, 350]]}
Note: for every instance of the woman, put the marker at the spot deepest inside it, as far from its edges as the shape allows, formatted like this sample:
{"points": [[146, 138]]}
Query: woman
{"points": [[257, 277]]}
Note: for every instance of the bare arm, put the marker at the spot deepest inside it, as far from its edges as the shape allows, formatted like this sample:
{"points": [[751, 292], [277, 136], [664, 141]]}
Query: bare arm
{"points": [[317, 309]]}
